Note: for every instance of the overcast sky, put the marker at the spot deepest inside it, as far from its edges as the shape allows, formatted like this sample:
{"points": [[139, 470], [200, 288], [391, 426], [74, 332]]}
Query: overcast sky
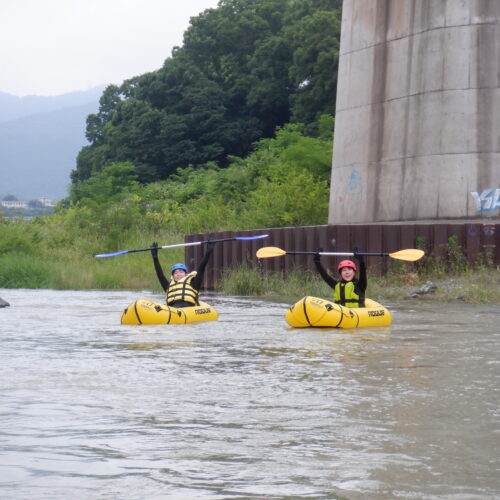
{"points": [[51, 47]]}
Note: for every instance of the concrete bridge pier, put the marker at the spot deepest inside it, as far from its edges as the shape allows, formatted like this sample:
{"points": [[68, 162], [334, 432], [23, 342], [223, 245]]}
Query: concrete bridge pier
{"points": [[417, 134]]}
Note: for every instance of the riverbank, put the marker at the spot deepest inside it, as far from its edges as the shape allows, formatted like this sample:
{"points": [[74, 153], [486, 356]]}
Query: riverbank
{"points": [[72, 267], [473, 286]]}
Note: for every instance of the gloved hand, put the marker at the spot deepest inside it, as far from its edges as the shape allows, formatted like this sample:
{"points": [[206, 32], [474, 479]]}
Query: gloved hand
{"points": [[154, 249], [360, 258], [210, 245], [317, 256]]}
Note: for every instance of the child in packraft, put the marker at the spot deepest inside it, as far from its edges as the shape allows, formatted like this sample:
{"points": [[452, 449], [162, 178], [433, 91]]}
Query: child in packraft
{"points": [[348, 291], [183, 287]]}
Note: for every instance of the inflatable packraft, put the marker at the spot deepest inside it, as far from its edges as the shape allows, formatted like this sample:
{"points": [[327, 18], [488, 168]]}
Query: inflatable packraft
{"points": [[312, 311], [146, 312]]}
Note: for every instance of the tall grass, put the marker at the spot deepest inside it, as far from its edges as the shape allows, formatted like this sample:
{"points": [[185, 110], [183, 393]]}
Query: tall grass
{"points": [[21, 271], [44, 255], [245, 280]]}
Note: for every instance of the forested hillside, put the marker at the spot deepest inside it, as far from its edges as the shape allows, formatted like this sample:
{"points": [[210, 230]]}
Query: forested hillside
{"points": [[234, 132], [244, 69]]}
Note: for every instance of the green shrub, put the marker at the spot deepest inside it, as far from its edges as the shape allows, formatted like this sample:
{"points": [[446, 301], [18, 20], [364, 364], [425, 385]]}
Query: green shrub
{"points": [[19, 237], [456, 258]]}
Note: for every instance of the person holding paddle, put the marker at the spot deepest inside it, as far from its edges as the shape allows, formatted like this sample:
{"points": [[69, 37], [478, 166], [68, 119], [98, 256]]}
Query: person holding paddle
{"points": [[349, 291], [183, 287]]}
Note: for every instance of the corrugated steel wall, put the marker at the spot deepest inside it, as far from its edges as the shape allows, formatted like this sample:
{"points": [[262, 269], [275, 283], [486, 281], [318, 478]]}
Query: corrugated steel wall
{"points": [[474, 239]]}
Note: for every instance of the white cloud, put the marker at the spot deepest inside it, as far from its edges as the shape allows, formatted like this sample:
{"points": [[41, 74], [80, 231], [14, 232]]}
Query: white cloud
{"points": [[50, 47]]}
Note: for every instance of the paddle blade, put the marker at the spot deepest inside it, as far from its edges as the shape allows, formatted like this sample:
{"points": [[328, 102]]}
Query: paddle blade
{"points": [[410, 254], [114, 254], [265, 252], [246, 238]]}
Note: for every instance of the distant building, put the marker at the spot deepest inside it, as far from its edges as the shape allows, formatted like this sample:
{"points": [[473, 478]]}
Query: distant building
{"points": [[14, 204], [47, 202], [44, 202]]}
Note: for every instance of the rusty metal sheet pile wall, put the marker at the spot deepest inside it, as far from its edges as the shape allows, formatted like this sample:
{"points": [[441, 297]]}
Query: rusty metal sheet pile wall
{"points": [[474, 239]]}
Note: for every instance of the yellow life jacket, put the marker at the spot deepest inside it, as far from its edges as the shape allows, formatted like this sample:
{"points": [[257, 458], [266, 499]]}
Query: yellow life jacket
{"points": [[345, 295], [182, 290]]}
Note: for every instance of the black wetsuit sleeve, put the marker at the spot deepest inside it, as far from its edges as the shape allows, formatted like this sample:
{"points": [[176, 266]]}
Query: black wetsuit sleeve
{"points": [[159, 272], [324, 274], [362, 281], [198, 279]]}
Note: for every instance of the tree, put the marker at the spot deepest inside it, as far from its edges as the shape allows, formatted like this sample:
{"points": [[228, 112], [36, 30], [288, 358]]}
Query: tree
{"points": [[244, 69], [35, 204], [107, 186], [314, 35], [108, 104]]}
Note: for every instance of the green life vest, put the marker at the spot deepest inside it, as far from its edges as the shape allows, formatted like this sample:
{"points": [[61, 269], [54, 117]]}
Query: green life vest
{"points": [[344, 294], [182, 290]]}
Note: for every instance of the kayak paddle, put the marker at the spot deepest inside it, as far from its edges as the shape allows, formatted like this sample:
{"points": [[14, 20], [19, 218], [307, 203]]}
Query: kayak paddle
{"points": [[190, 244], [411, 254]]}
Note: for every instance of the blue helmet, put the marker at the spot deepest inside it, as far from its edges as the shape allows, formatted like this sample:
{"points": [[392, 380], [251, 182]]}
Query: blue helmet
{"points": [[179, 266]]}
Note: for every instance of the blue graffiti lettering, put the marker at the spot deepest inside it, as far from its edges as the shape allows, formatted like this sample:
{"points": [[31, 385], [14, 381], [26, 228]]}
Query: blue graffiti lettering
{"points": [[487, 201], [354, 182]]}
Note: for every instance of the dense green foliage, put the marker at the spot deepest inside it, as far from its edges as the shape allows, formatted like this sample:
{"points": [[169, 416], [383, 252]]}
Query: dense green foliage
{"points": [[233, 132], [244, 69], [284, 181]]}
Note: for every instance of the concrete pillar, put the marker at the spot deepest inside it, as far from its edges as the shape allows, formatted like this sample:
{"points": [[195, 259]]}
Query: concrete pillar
{"points": [[417, 128]]}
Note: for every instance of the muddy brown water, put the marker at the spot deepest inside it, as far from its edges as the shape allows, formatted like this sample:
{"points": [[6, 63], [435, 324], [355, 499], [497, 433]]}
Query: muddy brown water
{"points": [[245, 407]]}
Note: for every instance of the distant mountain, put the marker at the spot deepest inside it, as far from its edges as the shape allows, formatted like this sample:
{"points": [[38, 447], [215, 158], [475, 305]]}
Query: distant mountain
{"points": [[13, 107], [38, 151]]}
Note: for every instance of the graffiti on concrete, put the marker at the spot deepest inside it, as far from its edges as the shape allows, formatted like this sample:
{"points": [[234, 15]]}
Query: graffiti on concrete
{"points": [[488, 200], [354, 183]]}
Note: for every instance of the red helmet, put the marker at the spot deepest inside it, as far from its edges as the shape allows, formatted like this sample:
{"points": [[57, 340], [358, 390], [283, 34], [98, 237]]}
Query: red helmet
{"points": [[347, 263]]}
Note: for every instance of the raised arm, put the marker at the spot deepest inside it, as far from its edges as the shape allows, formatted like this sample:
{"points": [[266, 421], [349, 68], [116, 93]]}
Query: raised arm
{"points": [[362, 280], [198, 279], [323, 272], [159, 271]]}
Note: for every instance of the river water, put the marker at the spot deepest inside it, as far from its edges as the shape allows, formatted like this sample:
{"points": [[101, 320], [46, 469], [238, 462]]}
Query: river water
{"points": [[245, 407]]}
